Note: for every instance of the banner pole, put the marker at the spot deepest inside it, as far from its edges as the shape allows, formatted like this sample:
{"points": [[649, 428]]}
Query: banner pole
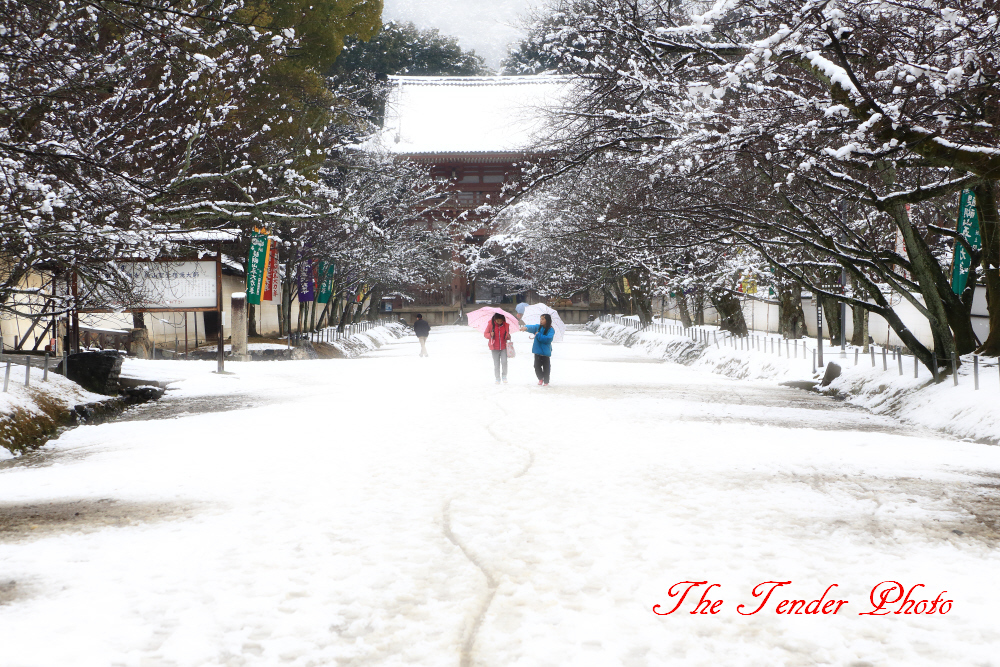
{"points": [[221, 353]]}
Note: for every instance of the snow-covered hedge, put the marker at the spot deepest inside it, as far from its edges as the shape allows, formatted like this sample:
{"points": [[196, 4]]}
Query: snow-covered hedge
{"points": [[740, 364], [961, 411]]}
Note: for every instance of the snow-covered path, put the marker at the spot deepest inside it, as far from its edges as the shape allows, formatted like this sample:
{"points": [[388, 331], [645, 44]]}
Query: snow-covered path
{"points": [[396, 510]]}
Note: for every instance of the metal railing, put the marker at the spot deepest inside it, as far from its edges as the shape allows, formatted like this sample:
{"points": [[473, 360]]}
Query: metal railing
{"points": [[333, 334], [772, 343], [43, 363]]}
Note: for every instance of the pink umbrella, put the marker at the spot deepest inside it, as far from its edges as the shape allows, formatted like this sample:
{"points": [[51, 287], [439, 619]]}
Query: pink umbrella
{"points": [[481, 317]]}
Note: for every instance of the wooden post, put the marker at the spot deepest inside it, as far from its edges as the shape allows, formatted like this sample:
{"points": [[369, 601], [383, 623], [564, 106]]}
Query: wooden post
{"points": [[54, 336], [819, 331], [76, 317], [221, 354]]}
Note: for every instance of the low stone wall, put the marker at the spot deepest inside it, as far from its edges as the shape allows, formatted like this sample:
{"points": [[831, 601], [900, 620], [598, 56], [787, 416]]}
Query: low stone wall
{"points": [[95, 371]]}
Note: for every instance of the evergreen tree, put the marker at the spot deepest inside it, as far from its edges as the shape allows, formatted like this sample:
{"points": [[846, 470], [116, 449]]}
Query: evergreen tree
{"points": [[400, 48]]}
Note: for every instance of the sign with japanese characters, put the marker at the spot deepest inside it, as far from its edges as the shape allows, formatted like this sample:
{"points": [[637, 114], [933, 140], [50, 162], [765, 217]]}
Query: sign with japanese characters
{"points": [[325, 282], [272, 275], [968, 227], [257, 259], [172, 285], [307, 280]]}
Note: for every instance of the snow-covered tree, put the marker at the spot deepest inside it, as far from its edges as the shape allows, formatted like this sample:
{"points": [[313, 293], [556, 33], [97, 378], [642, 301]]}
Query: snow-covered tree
{"points": [[811, 132], [123, 121]]}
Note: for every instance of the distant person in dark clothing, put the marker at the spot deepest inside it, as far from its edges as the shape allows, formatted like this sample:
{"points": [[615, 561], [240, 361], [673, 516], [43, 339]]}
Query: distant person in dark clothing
{"points": [[422, 329]]}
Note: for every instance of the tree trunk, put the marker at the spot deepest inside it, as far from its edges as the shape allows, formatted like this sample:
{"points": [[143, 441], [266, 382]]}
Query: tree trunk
{"points": [[375, 302], [859, 337], [730, 312], [791, 318], [699, 307], [286, 301], [989, 227], [142, 344], [359, 305], [640, 296], [921, 261], [859, 317], [345, 317], [831, 310], [619, 299], [335, 303], [324, 315], [885, 309], [682, 306], [252, 320]]}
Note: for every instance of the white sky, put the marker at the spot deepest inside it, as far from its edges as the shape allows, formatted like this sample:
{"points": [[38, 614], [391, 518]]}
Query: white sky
{"points": [[483, 25]]}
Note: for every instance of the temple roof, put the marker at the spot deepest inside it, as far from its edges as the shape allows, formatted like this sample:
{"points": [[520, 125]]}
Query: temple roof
{"points": [[463, 115]]}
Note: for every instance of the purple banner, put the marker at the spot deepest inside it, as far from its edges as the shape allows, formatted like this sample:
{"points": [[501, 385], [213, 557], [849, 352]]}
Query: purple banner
{"points": [[307, 280]]}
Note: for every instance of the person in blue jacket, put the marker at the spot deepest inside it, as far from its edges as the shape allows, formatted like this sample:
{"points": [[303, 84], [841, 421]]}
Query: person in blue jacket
{"points": [[542, 348]]}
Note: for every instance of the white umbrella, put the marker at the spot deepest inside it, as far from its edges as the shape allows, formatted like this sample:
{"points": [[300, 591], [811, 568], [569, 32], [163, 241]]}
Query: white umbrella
{"points": [[533, 315]]}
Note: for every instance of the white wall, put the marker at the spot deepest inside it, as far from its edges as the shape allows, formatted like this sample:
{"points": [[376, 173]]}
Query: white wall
{"points": [[762, 315], [13, 328], [164, 328]]}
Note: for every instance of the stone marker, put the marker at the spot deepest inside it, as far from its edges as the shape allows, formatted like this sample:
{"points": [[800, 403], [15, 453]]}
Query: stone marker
{"points": [[239, 327]]}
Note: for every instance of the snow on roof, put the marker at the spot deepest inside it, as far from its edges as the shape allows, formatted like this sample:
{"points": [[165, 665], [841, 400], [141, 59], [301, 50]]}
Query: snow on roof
{"points": [[224, 235], [465, 114]]}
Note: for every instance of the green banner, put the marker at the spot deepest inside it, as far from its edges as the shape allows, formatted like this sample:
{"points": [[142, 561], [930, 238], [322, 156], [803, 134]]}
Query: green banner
{"points": [[256, 265], [325, 282], [968, 227]]}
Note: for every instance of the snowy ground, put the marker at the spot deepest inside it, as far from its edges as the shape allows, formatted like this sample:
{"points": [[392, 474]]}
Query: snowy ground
{"points": [[395, 510], [886, 386], [56, 391]]}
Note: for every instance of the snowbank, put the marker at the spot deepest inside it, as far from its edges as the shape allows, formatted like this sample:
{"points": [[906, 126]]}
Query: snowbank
{"points": [[28, 414], [365, 341], [734, 363], [960, 411]]}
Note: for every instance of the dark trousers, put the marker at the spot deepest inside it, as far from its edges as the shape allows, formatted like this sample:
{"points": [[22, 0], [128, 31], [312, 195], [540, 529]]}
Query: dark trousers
{"points": [[543, 366]]}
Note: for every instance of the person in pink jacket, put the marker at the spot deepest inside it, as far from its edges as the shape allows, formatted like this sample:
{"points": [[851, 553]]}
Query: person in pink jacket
{"points": [[498, 333]]}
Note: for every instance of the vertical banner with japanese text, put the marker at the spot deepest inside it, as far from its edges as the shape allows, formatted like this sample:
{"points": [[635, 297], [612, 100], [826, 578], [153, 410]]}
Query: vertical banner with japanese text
{"points": [[272, 277], [968, 227], [307, 280], [325, 282], [257, 265]]}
